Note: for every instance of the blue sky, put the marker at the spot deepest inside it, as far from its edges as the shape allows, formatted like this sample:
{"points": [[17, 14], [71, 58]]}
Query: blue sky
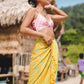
{"points": [[66, 3]]}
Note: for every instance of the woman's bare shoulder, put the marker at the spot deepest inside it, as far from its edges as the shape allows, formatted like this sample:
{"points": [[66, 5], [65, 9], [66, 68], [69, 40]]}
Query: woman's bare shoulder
{"points": [[32, 11]]}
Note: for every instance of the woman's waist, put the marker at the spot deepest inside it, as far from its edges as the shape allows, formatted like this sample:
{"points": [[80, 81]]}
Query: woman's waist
{"points": [[48, 31], [41, 40]]}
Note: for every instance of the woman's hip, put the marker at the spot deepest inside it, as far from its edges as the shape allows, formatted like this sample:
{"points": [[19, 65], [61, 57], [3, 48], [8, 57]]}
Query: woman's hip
{"points": [[41, 48]]}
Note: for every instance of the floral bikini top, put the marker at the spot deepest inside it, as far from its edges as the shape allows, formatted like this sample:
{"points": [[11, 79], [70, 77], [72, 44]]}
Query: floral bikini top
{"points": [[40, 22]]}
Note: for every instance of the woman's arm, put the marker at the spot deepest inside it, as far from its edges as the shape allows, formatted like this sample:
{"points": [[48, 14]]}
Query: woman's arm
{"points": [[24, 28], [60, 15], [58, 38], [61, 33]]}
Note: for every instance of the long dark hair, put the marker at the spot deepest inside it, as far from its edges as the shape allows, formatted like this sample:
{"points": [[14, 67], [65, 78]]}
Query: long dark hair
{"points": [[34, 2]]}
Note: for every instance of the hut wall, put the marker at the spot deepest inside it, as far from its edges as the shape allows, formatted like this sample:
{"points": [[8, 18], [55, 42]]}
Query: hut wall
{"points": [[11, 40], [8, 40]]}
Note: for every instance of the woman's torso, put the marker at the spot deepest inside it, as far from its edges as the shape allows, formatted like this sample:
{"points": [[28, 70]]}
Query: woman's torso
{"points": [[48, 30]]}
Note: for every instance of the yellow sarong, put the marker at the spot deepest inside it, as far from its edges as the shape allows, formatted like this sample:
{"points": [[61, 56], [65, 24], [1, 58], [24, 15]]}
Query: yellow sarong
{"points": [[43, 63]]}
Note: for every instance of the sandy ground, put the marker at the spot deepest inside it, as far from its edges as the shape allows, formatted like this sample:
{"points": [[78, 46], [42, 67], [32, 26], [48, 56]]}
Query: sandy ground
{"points": [[71, 80]]}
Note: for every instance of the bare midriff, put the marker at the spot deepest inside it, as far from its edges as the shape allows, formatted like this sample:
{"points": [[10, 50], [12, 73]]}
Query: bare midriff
{"points": [[48, 31]]}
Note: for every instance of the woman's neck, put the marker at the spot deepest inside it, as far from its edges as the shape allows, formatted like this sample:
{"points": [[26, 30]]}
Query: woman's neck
{"points": [[41, 7]]}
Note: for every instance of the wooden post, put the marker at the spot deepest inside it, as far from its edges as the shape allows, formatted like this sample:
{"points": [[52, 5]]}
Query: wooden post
{"points": [[13, 66], [65, 75], [62, 76]]}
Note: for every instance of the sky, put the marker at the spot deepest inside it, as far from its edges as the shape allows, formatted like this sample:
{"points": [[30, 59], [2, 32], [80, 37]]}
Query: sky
{"points": [[66, 3]]}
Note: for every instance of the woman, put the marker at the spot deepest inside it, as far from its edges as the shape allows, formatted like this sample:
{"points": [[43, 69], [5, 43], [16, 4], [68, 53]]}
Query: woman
{"points": [[44, 58]]}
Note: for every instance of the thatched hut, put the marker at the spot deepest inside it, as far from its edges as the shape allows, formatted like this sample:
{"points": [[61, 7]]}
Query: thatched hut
{"points": [[13, 44], [11, 15]]}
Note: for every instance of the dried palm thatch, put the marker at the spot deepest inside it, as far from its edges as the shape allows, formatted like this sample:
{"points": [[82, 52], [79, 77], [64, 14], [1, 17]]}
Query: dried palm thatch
{"points": [[12, 11], [7, 47]]}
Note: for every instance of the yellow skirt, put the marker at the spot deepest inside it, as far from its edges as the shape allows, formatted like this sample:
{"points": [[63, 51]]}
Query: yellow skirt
{"points": [[43, 63]]}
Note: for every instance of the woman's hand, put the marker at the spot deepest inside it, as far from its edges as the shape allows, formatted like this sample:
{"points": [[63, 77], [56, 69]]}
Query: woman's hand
{"points": [[48, 6], [48, 39]]}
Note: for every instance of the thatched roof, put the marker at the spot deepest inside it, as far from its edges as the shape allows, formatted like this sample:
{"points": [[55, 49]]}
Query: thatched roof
{"points": [[12, 11]]}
